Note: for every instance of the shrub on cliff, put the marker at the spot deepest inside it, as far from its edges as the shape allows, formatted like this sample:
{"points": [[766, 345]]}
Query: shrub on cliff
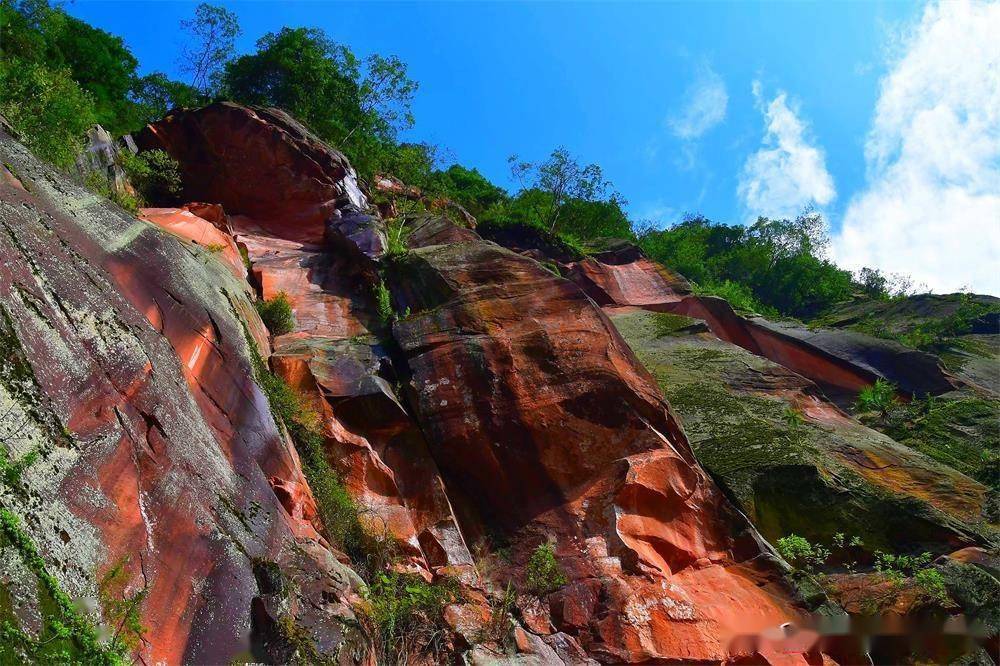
{"points": [[802, 554], [543, 573], [467, 187], [289, 408], [880, 398], [154, 174], [407, 614], [97, 183], [47, 107], [276, 313]]}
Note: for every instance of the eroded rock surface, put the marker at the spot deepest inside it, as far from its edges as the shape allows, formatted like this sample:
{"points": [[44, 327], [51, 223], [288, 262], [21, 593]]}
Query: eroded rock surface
{"points": [[518, 389], [509, 394], [795, 462], [526, 391], [128, 367], [257, 162]]}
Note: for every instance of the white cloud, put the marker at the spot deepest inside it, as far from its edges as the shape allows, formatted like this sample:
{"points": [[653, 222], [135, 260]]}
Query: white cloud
{"points": [[931, 204], [788, 173], [706, 105]]}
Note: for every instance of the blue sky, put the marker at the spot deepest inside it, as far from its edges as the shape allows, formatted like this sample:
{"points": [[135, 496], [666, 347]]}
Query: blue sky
{"points": [[727, 109]]}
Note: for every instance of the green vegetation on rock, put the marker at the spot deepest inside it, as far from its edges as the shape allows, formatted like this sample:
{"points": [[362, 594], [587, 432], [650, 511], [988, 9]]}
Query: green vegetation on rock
{"points": [[404, 610], [98, 184], [740, 296], [543, 574], [357, 105], [122, 610], [67, 637], [47, 107], [770, 266], [406, 613], [958, 429], [276, 313], [154, 174], [880, 398], [291, 411], [925, 321]]}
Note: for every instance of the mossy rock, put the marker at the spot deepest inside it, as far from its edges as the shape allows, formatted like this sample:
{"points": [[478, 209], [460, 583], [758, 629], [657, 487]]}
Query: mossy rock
{"points": [[901, 315], [959, 429], [791, 460]]}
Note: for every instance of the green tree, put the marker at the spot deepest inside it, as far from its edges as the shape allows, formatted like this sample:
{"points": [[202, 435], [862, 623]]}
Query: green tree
{"points": [[565, 181], [468, 187], [155, 95], [101, 64], [357, 106], [780, 261], [211, 44], [32, 33], [412, 163], [47, 107], [880, 397]]}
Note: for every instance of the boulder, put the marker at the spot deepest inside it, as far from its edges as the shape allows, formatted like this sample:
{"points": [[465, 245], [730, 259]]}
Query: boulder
{"points": [[100, 160], [259, 163]]}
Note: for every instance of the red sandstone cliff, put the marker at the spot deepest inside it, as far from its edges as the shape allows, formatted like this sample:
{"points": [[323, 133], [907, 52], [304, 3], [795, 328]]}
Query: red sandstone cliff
{"points": [[500, 409]]}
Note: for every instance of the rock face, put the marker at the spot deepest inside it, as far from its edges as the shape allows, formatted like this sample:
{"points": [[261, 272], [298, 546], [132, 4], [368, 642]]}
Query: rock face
{"points": [[515, 386], [99, 161], [128, 372], [316, 246], [842, 362], [494, 410], [526, 391]]}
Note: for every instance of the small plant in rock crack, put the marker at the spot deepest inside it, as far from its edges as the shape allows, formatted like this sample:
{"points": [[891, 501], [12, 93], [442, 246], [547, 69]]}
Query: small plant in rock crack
{"points": [[880, 397], [276, 313], [930, 582], [12, 470], [543, 573], [405, 615], [396, 233], [846, 549], [898, 567], [383, 304], [802, 554], [122, 610], [792, 418], [500, 628]]}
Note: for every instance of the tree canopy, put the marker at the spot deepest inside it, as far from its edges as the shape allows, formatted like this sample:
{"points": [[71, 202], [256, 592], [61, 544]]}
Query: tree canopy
{"points": [[781, 262], [213, 32], [358, 106]]}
